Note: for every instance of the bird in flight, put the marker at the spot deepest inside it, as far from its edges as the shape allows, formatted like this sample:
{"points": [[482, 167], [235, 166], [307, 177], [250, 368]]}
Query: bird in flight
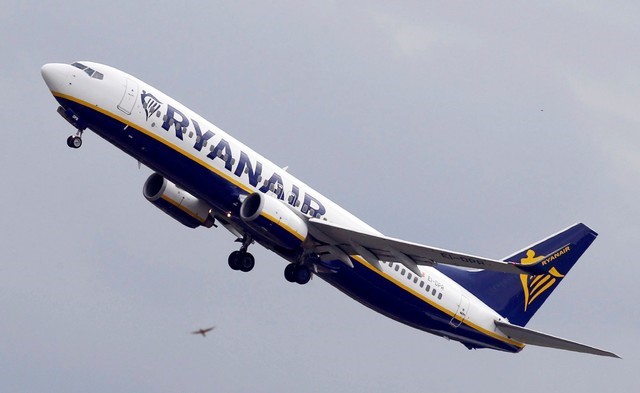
{"points": [[203, 332]]}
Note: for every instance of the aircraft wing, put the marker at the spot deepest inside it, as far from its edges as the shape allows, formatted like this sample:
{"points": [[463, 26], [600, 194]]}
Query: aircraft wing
{"points": [[375, 248], [528, 336]]}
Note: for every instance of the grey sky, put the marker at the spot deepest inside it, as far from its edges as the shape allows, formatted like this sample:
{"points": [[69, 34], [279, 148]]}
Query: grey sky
{"points": [[475, 128]]}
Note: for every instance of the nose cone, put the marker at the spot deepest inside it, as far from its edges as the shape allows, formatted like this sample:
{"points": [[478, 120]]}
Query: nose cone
{"points": [[55, 76]]}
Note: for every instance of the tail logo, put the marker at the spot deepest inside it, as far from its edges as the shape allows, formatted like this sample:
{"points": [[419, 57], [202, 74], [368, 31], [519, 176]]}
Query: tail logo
{"points": [[534, 286]]}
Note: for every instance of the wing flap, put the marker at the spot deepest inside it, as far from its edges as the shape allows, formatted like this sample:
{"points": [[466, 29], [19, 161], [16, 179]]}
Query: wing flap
{"points": [[409, 254], [532, 337]]}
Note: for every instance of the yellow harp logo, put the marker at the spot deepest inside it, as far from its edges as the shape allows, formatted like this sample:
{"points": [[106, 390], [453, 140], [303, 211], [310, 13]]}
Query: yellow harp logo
{"points": [[535, 286]]}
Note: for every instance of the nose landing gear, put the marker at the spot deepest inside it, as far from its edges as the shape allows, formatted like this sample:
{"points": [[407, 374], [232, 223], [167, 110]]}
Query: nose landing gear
{"points": [[75, 141]]}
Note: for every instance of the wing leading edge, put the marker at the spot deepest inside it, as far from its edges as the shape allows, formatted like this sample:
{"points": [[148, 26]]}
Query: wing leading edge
{"points": [[374, 248]]}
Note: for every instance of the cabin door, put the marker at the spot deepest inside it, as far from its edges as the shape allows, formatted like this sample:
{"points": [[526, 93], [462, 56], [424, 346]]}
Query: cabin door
{"points": [[129, 98], [461, 314]]}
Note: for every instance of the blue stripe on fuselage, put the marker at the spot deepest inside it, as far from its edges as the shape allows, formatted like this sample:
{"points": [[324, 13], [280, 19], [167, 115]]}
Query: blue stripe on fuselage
{"points": [[370, 287]]}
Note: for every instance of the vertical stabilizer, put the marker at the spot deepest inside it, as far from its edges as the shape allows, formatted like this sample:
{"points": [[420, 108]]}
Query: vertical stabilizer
{"points": [[518, 297]]}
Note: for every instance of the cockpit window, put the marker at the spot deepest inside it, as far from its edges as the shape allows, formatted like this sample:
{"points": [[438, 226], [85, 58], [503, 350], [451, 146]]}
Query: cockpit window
{"points": [[90, 71]]}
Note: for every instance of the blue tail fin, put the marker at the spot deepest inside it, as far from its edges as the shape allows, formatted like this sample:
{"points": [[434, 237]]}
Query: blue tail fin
{"points": [[518, 297]]}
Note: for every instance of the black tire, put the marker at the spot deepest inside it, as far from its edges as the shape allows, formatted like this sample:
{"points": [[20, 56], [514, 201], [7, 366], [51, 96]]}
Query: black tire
{"points": [[289, 272], [234, 260], [70, 141], [302, 274], [246, 262]]}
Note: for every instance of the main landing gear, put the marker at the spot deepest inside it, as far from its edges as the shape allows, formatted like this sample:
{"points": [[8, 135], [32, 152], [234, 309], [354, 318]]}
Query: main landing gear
{"points": [[297, 273], [242, 260], [75, 141]]}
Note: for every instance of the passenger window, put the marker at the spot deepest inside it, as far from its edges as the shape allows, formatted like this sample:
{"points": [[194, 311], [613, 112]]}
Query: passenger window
{"points": [[428, 288], [433, 292], [415, 280], [421, 284], [439, 296], [403, 271], [397, 267], [409, 276]]}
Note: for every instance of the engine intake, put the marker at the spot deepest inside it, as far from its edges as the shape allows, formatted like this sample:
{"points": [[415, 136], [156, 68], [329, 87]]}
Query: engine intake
{"points": [[176, 202], [274, 219]]}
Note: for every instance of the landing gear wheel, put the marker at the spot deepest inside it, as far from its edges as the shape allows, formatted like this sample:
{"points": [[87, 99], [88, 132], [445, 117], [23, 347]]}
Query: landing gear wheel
{"points": [[302, 274], [297, 273], [246, 262], [74, 141], [234, 260], [289, 272]]}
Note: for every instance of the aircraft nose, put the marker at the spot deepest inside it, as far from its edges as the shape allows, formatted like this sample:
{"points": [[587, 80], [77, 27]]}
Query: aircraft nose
{"points": [[55, 75]]}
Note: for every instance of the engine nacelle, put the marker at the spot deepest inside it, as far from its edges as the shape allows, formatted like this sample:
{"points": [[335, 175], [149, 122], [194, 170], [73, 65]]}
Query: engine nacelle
{"points": [[274, 219], [176, 202]]}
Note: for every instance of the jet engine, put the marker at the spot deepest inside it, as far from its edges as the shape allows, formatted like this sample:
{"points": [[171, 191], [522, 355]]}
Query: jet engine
{"points": [[274, 219], [177, 203]]}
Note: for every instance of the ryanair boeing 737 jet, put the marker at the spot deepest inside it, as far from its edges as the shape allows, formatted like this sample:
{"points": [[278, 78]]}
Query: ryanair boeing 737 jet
{"points": [[203, 176]]}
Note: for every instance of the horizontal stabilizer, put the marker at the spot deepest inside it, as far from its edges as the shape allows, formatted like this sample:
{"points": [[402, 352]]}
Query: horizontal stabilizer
{"points": [[531, 337]]}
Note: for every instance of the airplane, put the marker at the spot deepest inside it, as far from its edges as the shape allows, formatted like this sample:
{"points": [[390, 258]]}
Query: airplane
{"points": [[205, 177], [203, 332]]}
